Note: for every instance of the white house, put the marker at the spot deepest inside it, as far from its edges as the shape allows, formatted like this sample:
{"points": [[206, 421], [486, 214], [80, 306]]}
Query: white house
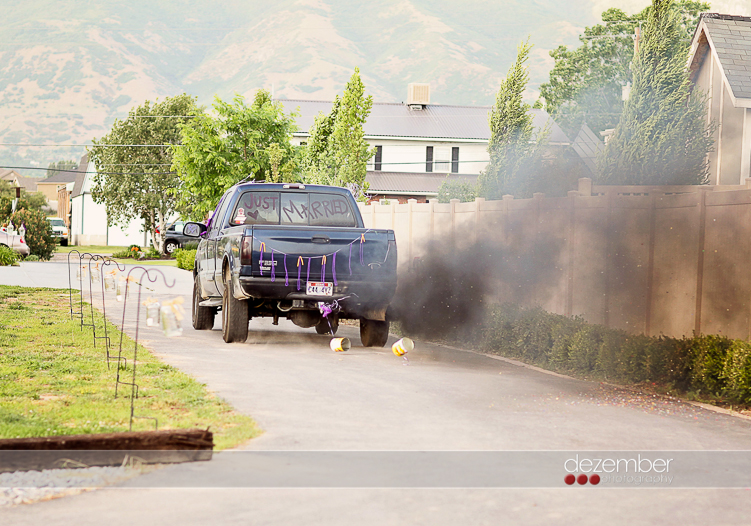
{"points": [[720, 64], [418, 144], [88, 222]]}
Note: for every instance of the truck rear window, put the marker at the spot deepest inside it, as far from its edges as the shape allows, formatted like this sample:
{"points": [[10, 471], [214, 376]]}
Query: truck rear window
{"points": [[293, 208]]}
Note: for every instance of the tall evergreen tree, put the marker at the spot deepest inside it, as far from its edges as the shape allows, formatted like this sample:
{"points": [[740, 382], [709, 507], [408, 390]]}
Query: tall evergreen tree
{"points": [[337, 153], [512, 146], [662, 137]]}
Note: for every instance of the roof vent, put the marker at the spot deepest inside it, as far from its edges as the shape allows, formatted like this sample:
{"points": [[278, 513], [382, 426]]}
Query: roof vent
{"points": [[418, 96]]}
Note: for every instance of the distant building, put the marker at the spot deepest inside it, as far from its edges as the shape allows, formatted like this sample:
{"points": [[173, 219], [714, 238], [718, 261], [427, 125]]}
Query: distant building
{"points": [[88, 220], [53, 184], [419, 145], [16, 179], [720, 64]]}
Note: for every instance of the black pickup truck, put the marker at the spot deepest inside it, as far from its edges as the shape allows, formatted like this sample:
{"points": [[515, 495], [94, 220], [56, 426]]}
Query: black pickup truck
{"points": [[292, 251]]}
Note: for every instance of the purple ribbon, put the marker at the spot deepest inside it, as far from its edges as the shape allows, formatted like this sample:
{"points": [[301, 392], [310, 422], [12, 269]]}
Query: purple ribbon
{"points": [[350, 259], [323, 268], [307, 278], [286, 274], [273, 268], [333, 268], [298, 272], [362, 252]]}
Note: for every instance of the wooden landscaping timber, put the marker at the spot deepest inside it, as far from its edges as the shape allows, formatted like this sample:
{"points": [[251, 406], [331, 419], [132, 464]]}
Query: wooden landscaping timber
{"points": [[110, 449]]}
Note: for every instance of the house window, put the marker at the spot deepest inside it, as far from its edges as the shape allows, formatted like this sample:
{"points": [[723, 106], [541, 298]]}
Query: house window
{"points": [[428, 158], [455, 160], [442, 160], [378, 158]]}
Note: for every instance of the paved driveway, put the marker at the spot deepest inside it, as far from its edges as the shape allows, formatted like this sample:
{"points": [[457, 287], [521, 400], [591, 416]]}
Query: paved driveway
{"points": [[308, 398]]}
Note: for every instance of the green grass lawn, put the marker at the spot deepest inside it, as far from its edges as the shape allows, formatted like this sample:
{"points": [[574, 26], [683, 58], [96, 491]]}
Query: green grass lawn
{"points": [[163, 262], [91, 249], [53, 381]]}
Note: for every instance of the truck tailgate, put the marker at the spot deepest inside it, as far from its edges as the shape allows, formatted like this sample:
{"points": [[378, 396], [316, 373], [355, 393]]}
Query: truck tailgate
{"points": [[323, 253]]}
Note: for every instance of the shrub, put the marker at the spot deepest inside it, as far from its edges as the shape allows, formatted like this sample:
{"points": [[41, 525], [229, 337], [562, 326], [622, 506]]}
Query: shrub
{"points": [[709, 364], [193, 245], [152, 253], [38, 232], [32, 258], [7, 256], [737, 371], [185, 258]]}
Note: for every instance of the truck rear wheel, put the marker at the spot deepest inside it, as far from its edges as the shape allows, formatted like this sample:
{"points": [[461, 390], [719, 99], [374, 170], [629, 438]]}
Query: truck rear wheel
{"points": [[374, 333], [203, 317], [234, 315]]}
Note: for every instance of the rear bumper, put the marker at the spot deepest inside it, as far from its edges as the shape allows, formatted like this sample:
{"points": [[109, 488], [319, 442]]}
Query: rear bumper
{"points": [[24, 250], [361, 297]]}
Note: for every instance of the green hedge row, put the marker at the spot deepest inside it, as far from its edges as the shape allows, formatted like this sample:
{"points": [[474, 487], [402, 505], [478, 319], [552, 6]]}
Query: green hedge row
{"points": [[712, 366], [185, 258]]}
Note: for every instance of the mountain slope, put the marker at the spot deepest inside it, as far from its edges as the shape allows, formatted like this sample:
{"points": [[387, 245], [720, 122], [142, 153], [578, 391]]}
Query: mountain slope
{"points": [[69, 68]]}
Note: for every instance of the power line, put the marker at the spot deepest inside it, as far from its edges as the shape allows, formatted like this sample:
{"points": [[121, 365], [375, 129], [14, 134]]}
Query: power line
{"points": [[85, 145]]}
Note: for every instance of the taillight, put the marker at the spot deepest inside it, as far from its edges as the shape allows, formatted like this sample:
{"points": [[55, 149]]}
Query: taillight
{"points": [[246, 251], [22, 241]]}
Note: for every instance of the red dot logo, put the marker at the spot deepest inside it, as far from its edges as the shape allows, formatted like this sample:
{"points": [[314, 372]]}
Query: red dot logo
{"points": [[569, 479], [594, 479], [581, 479]]}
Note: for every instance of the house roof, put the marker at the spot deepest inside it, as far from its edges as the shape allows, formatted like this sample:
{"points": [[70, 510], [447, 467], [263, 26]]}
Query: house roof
{"points": [[729, 38], [588, 146], [27, 183], [83, 167], [408, 183], [433, 122], [62, 177]]}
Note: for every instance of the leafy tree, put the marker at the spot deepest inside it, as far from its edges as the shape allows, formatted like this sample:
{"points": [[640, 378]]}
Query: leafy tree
{"points": [[461, 190], [28, 200], [514, 150], [136, 181], [38, 232], [55, 168], [586, 83], [337, 153], [663, 136], [236, 144]]}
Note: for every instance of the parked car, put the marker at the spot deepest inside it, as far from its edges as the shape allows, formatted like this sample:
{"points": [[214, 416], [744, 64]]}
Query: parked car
{"points": [[10, 238], [59, 230], [292, 251], [174, 237]]}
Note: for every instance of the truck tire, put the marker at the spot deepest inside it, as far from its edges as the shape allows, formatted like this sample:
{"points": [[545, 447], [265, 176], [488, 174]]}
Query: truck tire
{"points": [[203, 317], [234, 315], [323, 325], [374, 333]]}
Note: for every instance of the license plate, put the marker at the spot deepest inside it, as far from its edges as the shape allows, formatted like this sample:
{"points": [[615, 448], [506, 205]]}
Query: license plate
{"points": [[320, 289]]}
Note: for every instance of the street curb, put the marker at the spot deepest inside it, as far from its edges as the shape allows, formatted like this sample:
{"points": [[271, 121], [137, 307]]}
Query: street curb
{"points": [[510, 361]]}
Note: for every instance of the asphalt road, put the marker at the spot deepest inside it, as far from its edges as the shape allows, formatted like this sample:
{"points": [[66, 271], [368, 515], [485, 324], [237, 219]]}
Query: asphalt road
{"points": [[308, 398]]}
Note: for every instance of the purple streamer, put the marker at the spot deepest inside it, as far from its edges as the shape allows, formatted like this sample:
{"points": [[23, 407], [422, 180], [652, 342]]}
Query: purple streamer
{"points": [[286, 274], [350, 259], [362, 252], [260, 262], [307, 279], [323, 268], [298, 276], [273, 267], [333, 268]]}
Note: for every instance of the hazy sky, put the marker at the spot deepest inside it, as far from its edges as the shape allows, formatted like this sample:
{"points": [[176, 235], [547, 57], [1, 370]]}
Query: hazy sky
{"points": [[728, 7]]}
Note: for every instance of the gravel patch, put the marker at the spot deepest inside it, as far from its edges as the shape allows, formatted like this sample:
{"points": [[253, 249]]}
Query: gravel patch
{"points": [[24, 487]]}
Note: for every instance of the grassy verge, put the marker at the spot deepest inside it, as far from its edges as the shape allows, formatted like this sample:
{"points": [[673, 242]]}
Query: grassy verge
{"points": [[54, 382], [162, 262], [92, 249]]}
